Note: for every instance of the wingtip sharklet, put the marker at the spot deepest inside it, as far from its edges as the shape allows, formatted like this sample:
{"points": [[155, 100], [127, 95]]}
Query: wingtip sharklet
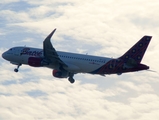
{"points": [[50, 35]]}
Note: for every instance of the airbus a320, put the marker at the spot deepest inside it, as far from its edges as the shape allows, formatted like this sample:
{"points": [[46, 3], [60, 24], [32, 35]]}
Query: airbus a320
{"points": [[66, 64]]}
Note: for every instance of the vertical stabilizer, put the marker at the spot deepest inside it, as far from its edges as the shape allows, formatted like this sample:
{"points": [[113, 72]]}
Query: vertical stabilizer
{"points": [[135, 54]]}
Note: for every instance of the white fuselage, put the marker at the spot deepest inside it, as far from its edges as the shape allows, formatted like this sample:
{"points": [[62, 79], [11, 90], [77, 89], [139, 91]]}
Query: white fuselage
{"points": [[84, 63]]}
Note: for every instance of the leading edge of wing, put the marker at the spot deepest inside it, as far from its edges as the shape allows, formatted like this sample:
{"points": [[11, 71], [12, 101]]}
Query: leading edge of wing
{"points": [[50, 52], [47, 43]]}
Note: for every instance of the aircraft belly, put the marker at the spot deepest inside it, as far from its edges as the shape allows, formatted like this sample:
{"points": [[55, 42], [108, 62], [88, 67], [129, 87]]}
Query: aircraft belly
{"points": [[19, 59], [71, 67], [87, 67]]}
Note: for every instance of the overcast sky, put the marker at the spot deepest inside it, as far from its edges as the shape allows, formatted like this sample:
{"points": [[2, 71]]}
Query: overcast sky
{"points": [[96, 27]]}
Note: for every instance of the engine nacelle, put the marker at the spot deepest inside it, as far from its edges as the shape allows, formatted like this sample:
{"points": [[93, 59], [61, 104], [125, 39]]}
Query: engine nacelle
{"points": [[60, 74], [37, 62]]}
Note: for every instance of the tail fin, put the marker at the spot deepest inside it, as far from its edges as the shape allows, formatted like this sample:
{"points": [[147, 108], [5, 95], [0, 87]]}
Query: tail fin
{"points": [[135, 54]]}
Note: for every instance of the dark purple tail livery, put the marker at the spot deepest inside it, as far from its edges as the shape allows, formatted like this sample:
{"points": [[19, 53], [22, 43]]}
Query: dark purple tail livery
{"points": [[136, 52], [129, 62]]}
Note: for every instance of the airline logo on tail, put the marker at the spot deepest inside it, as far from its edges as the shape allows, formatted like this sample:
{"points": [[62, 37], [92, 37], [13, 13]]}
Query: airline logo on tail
{"points": [[136, 53], [128, 62]]}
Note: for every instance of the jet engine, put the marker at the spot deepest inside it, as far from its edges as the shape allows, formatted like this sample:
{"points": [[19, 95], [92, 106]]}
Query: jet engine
{"points": [[37, 62], [60, 74]]}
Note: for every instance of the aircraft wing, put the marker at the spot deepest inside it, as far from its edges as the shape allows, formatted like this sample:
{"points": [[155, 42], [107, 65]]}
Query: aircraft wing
{"points": [[50, 52]]}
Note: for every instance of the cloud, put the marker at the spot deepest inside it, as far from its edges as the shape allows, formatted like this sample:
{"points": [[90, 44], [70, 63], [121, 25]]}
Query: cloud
{"points": [[140, 88], [9, 1], [74, 101]]}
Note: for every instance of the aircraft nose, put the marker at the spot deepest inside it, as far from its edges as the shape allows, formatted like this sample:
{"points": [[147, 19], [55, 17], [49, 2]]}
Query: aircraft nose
{"points": [[4, 55]]}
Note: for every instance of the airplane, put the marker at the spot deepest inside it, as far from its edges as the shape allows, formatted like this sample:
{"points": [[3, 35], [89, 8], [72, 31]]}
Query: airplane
{"points": [[66, 64]]}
